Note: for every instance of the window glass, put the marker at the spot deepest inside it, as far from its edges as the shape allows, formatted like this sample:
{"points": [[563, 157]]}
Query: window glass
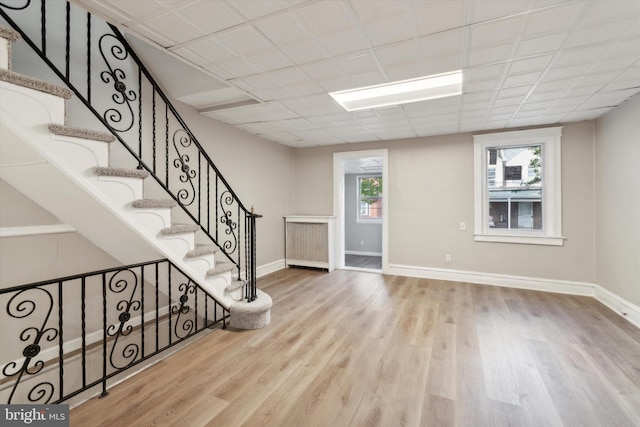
{"points": [[370, 198]]}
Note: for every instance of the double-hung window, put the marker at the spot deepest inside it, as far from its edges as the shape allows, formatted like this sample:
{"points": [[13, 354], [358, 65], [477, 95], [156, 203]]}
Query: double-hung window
{"points": [[518, 187], [369, 198]]}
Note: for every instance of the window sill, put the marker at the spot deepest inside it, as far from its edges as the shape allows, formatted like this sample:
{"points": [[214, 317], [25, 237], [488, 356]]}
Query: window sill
{"points": [[524, 240], [369, 221]]}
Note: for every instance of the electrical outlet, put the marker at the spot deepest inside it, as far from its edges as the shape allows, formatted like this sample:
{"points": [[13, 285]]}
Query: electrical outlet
{"points": [[463, 226], [447, 258]]}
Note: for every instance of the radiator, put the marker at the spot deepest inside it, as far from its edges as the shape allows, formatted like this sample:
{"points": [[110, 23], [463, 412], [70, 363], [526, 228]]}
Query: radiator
{"points": [[309, 241]]}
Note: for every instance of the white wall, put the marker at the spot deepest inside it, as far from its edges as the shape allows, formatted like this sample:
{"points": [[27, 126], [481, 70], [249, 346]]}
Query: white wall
{"points": [[431, 192], [617, 152]]}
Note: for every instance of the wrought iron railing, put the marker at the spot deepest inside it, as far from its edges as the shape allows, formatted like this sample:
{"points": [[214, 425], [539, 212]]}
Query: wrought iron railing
{"points": [[95, 60], [77, 332]]}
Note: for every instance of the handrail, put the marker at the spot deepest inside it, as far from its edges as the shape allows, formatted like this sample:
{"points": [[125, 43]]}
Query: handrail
{"points": [[80, 331], [135, 103]]}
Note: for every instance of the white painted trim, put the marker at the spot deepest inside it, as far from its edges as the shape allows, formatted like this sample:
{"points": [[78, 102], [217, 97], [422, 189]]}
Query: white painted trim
{"points": [[519, 282], [624, 308], [363, 253], [528, 240], [271, 267], [36, 230]]}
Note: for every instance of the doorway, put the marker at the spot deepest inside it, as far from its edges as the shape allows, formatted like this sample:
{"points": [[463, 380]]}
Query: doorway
{"points": [[361, 209]]}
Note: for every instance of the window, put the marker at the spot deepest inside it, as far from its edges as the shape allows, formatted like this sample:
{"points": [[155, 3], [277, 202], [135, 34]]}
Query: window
{"points": [[370, 198], [518, 188]]}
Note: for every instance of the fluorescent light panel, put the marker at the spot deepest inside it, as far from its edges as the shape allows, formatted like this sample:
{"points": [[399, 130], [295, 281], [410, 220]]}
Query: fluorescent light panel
{"points": [[401, 92]]}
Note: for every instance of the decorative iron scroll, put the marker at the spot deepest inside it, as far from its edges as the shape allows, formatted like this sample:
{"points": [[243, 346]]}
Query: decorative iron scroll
{"points": [[12, 5], [119, 284], [188, 174], [117, 77], [187, 325], [226, 202], [20, 307]]}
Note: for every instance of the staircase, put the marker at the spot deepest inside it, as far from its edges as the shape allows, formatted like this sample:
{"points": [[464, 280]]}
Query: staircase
{"points": [[68, 171]]}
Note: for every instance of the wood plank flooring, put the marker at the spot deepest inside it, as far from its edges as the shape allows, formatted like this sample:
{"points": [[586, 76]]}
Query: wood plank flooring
{"points": [[350, 348]]}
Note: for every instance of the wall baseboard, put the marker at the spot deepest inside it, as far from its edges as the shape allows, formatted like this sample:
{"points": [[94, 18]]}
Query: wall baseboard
{"points": [[271, 267], [619, 305]]}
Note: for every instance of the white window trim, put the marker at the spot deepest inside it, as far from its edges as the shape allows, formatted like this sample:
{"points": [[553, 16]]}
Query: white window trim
{"points": [[550, 138], [365, 220]]}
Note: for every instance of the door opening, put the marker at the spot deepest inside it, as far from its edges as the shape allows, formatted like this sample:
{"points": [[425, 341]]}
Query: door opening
{"points": [[360, 207]]}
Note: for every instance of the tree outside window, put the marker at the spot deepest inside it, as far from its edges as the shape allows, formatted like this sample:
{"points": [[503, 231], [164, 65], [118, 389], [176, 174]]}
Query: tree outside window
{"points": [[370, 198]]}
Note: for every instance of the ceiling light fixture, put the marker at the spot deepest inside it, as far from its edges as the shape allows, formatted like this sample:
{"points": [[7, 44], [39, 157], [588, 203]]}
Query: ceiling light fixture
{"points": [[400, 92]]}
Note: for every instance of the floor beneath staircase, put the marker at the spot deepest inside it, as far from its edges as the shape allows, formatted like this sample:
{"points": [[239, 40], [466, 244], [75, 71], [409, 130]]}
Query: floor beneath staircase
{"points": [[349, 348]]}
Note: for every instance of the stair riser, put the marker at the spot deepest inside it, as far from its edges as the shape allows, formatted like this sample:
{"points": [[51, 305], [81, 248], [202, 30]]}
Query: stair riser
{"points": [[152, 219], [69, 149], [13, 96], [121, 190]]}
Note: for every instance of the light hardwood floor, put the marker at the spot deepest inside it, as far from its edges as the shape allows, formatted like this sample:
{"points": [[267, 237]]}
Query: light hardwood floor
{"points": [[360, 349]]}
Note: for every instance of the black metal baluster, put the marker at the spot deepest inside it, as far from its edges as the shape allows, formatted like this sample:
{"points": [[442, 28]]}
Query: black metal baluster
{"points": [[104, 335], [83, 312], [140, 117], [157, 309], [170, 284], [142, 309], [60, 341], [89, 57], [43, 29], [166, 144], [68, 41], [153, 108]]}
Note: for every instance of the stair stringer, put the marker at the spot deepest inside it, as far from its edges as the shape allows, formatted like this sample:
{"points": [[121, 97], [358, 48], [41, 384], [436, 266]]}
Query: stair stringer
{"points": [[35, 162]]}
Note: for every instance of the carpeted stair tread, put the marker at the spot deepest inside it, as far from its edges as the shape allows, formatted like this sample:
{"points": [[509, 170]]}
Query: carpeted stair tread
{"points": [[180, 228], [121, 172], [9, 34], [201, 250], [39, 85], [154, 203], [221, 267], [234, 286], [81, 133]]}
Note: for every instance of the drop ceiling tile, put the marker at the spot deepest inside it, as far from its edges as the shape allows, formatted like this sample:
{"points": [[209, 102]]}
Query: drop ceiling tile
{"points": [[256, 9], [586, 114], [400, 53], [283, 28], [539, 45], [326, 17], [374, 11], [135, 9], [207, 49], [442, 44], [236, 67], [553, 20], [344, 42], [481, 86], [535, 106], [368, 79], [269, 60], [514, 100], [305, 51], [443, 64], [391, 30], [337, 83], [305, 88], [493, 33], [608, 99], [210, 16], [255, 82], [322, 69], [559, 73], [358, 63], [490, 55], [507, 109], [595, 34], [556, 86], [485, 72], [243, 40], [535, 63], [476, 106], [480, 11], [597, 79], [175, 28], [436, 16], [287, 76], [521, 79], [599, 11], [616, 64]]}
